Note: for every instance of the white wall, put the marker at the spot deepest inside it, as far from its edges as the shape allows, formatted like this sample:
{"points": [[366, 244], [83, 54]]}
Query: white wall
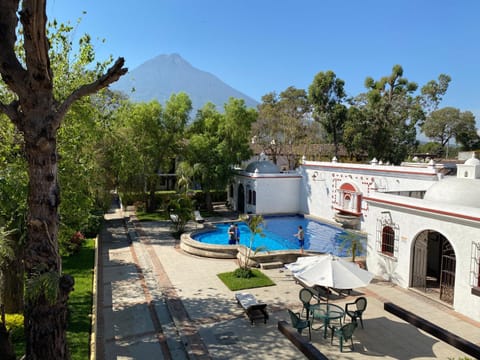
{"points": [[459, 232], [319, 192], [315, 196], [278, 195]]}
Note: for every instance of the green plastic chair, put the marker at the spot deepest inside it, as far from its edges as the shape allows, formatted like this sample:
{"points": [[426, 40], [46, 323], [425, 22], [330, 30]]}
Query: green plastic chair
{"points": [[344, 333], [305, 296], [355, 310], [300, 324]]}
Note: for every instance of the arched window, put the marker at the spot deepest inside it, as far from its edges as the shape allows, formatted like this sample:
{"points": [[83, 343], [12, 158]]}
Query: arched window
{"points": [[254, 198], [388, 241]]}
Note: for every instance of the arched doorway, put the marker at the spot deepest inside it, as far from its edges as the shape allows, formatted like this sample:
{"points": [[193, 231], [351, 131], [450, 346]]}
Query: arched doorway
{"points": [[241, 199], [433, 265]]}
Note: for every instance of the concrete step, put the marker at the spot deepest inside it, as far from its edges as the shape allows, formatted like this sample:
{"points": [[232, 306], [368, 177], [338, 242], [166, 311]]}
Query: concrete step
{"points": [[271, 265]]}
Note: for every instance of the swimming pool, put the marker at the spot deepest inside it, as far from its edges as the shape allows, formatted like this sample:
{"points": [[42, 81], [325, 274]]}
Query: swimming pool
{"points": [[279, 230]]}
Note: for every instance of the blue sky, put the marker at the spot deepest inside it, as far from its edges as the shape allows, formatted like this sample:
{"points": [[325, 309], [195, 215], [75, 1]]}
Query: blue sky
{"points": [[259, 46]]}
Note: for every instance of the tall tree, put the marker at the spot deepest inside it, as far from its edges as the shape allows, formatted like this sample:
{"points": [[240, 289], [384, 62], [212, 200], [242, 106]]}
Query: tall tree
{"points": [[356, 133], [391, 111], [450, 123], [154, 136], [217, 142], [433, 92], [327, 96], [468, 136], [38, 114], [282, 124]]}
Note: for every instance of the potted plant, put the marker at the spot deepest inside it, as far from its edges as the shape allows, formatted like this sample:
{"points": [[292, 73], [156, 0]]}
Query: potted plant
{"points": [[355, 244]]}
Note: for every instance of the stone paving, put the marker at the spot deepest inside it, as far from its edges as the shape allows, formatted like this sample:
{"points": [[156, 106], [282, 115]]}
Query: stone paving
{"points": [[156, 302]]}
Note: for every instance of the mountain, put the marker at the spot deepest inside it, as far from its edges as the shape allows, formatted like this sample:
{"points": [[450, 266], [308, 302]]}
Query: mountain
{"points": [[163, 75]]}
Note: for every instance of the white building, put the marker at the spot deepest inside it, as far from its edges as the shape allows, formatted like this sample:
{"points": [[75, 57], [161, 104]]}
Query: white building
{"points": [[423, 228]]}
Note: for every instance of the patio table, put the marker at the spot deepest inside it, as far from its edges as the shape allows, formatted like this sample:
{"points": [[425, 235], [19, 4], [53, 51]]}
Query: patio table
{"points": [[326, 312]]}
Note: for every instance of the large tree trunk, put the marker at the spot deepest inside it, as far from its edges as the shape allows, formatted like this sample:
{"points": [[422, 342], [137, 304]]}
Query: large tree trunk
{"points": [[37, 114], [45, 318]]}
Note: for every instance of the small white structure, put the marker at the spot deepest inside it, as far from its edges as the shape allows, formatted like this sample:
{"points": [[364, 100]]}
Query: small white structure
{"points": [[423, 228], [263, 189]]}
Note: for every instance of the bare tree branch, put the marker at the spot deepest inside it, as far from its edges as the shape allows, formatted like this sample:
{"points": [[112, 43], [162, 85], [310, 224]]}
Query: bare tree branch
{"points": [[10, 110], [112, 75], [34, 20], [12, 72]]}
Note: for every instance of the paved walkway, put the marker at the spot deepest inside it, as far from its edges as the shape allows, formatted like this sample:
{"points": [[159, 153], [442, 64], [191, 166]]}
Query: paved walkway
{"points": [[156, 302]]}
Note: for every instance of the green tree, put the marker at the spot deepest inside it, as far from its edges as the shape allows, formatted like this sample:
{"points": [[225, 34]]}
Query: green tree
{"points": [[153, 136], [450, 123], [327, 96], [37, 112], [391, 111], [13, 210], [430, 147], [255, 225], [217, 142], [468, 136], [356, 136], [81, 175], [180, 208], [282, 124], [433, 92]]}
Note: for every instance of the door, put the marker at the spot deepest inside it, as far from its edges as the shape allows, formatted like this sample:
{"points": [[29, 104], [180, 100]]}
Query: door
{"points": [[241, 199], [419, 271], [447, 273]]}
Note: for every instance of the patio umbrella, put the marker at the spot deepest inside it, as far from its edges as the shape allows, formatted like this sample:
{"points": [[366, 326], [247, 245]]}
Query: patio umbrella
{"points": [[329, 271]]}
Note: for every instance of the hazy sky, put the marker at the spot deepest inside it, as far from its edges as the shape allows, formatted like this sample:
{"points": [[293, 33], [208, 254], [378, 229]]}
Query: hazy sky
{"points": [[259, 46]]}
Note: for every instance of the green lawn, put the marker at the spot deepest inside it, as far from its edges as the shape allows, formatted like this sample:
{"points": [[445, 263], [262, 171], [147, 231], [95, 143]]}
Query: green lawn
{"points": [[154, 216], [234, 283], [80, 266]]}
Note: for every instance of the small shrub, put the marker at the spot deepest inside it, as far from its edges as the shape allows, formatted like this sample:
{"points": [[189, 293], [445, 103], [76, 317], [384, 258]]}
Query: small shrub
{"points": [[15, 326], [243, 273], [76, 242], [94, 224]]}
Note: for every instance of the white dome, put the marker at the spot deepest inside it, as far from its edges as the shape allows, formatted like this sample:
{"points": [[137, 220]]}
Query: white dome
{"points": [[262, 167], [455, 191], [472, 161]]}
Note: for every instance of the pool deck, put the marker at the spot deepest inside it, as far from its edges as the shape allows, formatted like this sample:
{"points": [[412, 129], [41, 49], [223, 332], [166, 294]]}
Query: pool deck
{"points": [[155, 301]]}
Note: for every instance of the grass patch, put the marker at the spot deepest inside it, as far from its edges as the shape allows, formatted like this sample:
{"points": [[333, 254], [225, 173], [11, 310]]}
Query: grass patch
{"points": [[80, 266], [234, 283], [152, 216]]}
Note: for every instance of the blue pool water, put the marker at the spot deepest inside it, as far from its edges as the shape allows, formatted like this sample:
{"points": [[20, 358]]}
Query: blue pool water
{"points": [[279, 231]]}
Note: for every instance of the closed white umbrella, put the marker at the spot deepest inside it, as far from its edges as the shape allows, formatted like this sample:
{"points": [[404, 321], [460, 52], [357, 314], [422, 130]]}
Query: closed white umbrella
{"points": [[301, 263], [329, 271]]}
